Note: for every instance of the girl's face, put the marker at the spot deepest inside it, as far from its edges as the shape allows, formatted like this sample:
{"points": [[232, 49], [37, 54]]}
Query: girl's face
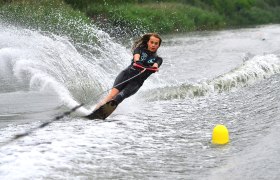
{"points": [[153, 44]]}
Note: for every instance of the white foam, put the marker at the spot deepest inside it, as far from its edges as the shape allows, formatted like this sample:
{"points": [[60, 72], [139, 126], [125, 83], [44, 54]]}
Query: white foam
{"points": [[251, 71], [259, 67], [50, 63]]}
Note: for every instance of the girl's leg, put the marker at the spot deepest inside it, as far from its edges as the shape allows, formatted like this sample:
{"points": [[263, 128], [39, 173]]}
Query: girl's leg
{"points": [[129, 90], [112, 94]]}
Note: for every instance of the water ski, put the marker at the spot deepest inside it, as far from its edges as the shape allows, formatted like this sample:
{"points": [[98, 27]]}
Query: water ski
{"points": [[103, 111]]}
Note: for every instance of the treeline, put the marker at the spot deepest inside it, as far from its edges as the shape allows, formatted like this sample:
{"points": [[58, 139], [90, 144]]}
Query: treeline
{"points": [[180, 15], [163, 16]]}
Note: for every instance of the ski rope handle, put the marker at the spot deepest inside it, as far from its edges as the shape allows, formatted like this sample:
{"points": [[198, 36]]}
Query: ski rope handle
{"points": [[155, 69]]}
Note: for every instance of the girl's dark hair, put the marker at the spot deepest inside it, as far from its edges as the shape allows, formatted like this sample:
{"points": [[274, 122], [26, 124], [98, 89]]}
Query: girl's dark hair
{"points": [[142, 42]]}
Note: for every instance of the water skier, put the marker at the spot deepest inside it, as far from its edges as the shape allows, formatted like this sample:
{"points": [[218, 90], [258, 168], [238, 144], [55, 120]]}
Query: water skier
{"points": [[144, 63]]}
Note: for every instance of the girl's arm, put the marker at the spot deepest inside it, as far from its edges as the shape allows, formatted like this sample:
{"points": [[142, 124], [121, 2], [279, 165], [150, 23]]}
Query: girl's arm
{"points": [[136, 57]]}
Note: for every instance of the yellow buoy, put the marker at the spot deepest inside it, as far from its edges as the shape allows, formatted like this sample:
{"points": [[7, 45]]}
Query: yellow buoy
{"points": [[220, 135]]}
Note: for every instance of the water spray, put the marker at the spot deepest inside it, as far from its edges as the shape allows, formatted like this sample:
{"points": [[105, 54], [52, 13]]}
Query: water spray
{"points": [[57, 118]]}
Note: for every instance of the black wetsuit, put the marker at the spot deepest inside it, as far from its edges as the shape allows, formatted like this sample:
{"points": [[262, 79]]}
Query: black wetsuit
{"points": [[147, 59]]}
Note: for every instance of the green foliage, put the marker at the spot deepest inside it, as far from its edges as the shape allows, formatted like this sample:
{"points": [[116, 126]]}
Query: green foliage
{"points": [[180, 15], [158, 17], [253, 16], [258, 12], [83, 4], [229, 7], [163, 16]]}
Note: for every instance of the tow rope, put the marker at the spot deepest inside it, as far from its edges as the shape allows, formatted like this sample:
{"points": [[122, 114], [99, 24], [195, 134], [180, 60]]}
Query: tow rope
{"points": [[66, 113]]}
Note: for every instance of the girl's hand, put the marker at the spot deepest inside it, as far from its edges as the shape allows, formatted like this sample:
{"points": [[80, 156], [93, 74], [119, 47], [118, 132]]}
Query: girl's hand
{"points": [[155, 65]]}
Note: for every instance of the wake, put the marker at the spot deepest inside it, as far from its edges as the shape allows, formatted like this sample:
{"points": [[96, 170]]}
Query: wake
{"points": [[251, 71]]}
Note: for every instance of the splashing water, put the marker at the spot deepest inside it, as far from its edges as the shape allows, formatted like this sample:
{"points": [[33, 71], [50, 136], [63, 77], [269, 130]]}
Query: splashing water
{"points": [[48, 63]]}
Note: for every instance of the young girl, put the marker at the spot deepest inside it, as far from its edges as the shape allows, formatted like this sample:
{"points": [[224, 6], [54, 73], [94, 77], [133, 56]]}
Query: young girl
{"points": [[144, 63]]}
